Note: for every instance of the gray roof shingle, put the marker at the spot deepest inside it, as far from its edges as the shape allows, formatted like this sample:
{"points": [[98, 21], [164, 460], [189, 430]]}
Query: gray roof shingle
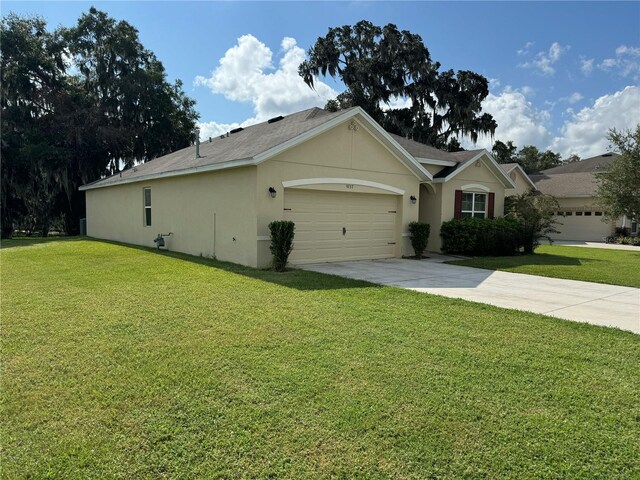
{"points": [[247, 143], [259, 138], [598, 163], [581, 184]]}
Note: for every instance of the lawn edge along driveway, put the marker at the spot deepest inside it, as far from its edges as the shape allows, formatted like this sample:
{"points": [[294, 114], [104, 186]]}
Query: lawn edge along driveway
{"points": [[598, 265], [588, 302]]}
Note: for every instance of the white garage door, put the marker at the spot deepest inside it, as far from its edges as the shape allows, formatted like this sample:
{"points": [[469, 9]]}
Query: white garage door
{"points": [[335, 226], [584, 228]]}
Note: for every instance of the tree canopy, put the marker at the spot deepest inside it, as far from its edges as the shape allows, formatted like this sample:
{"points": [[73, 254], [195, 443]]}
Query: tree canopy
{"points": [[379, 65], [529, 157], [78, 103], [619, 186]]}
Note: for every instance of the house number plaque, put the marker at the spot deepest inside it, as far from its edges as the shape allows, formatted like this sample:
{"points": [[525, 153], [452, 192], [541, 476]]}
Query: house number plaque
{"points": [[349, 186]]}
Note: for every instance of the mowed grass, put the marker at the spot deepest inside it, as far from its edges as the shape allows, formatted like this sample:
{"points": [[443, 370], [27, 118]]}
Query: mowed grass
{"points": [[120, 362], [615, 267]]}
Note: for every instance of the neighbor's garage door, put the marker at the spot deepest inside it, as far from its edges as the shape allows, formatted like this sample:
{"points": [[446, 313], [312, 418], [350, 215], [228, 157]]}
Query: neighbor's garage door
{"points": [[583, 228], [335, 226]]}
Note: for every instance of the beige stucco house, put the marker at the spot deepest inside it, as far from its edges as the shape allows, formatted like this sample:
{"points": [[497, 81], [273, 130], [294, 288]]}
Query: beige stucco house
{"points": [[574, 186], [350, 187]]}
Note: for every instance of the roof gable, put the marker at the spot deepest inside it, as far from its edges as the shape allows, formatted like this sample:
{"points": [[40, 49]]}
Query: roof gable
{"points": [[448, 173], [515, 167]]}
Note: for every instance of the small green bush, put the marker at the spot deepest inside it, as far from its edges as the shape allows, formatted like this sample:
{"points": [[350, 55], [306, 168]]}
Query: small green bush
{"points": [[282, 233], [635, 241], [482, 236], [419, 233]]}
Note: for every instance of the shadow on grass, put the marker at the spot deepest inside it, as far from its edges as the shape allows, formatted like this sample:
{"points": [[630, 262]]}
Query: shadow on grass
{"points": [[524, 260], [29, 241], [292, 278]]}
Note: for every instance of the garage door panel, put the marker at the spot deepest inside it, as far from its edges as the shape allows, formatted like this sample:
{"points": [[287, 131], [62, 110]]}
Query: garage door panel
{"points": [[582, 228], [321, 215]]}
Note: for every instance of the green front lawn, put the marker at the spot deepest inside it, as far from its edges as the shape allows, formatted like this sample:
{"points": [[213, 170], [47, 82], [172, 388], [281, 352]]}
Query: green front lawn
{"points": [[615, 267], [120, 362]]}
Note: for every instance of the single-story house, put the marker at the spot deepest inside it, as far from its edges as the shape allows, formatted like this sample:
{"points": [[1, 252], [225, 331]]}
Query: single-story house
{"points": [[574, 185], [350, 187]]}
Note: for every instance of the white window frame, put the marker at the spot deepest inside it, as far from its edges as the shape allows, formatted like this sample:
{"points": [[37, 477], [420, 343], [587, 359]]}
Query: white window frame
{"points": [[473, 210], [634, 227], [146, 207]]}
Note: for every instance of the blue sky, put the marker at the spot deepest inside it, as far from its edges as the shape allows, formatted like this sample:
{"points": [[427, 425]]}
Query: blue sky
{"points": [[561, 73]]}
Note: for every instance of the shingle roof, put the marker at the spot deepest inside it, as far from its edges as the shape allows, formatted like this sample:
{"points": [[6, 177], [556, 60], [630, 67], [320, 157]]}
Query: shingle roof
{"points": [[575, 179], [248, 143], [259, 138], [580, 184], [507, 167], [421, 150], [598, 163]]}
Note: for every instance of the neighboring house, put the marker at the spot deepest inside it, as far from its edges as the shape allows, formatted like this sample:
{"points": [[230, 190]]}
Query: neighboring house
{"points": [[350, 187], [574, 186], [521, 180]]}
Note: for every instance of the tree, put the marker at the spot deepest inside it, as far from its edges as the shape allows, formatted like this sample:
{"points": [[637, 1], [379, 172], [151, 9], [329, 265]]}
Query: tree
{"points": [[504, 152], [536, 213], [533, 160], [63, 127], [380, 64], [572, 158], [619, 187], [32, 89]]}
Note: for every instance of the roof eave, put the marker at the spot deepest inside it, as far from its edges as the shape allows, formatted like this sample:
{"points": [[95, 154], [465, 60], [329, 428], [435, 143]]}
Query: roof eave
{"points": [[243, 162]]}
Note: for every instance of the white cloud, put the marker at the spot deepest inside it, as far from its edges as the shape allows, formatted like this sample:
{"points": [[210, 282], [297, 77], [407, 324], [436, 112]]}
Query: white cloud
{"points": [[575, 97], [214, 129], [586, 65], [518, 120], [586, 131], [626, 62], [544, 61], [246, 74], [525, 50]]}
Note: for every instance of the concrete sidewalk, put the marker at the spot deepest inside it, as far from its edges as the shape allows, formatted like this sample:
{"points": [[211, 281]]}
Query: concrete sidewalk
{"points": [[599, 304]]}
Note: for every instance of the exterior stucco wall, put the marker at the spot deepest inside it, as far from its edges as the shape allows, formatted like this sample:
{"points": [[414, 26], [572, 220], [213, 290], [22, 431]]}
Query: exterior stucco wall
{"points": [[522, 185], [431, 212], [472, 175], [433, 169], [339, 153], [186, 206]]}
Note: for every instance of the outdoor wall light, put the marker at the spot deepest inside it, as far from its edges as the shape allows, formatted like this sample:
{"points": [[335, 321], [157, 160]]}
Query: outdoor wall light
{"points": [[272, 192], [413, 199]]}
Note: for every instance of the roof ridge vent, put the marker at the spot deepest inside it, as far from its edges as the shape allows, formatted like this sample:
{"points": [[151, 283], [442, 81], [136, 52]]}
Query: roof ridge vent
{"points": [[608, 154], [236, 130], [275, 119]]}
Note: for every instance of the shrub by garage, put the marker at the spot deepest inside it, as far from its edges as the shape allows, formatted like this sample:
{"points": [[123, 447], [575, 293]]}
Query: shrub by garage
{"points": [[482, 236]]}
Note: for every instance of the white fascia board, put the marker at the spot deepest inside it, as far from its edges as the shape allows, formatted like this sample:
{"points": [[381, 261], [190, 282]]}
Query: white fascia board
{"points": [[406, 158], [497, 170], [243, 162], [440, 163], [529, 181], [511, 169]]}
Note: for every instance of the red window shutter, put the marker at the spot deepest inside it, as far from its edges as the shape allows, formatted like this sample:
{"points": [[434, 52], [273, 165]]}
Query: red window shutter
{"points": [[492, 200], [457, 209]]}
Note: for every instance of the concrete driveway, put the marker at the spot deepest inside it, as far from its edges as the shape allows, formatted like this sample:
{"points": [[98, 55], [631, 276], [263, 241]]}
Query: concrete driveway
{"points": [[595, 303]]}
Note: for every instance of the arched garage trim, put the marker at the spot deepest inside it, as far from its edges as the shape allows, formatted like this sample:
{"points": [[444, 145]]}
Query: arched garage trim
{"points": [[347, 181]]}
